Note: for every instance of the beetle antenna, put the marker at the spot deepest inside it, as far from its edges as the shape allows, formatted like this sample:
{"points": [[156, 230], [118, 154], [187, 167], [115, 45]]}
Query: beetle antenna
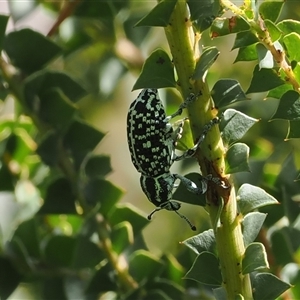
{"points": [[193, 227]]}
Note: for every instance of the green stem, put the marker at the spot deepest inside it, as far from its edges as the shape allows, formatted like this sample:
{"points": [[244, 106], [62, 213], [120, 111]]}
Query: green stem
{"points": [[228, 234]]}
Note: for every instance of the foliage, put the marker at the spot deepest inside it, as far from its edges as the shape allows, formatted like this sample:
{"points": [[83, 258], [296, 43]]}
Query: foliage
{"points": [[64, 233]]}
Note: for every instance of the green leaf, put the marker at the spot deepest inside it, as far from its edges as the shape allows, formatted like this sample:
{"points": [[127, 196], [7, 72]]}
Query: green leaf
{"points": [[204, 241], [159, 15], [101, 191], [203, 13], [172, 290], [290, 188], [226, 92], [237, 159], [56, 109], [251, 197], [247, 53], [48, 148], [151, 265], [81, 138], [157, 72], [103, 10], [245, 38], [270, 10], [98, 166], [15, 248], [31, 241], [86, 254], [76, 253], [21, 48], [234, 125], [282, 244], [41, 82], [173, 270], [296, 70], [294, 130], [102, 275], [288, 26], [255, 258], [207, 58], [7, 179], [59, 251], [54, 288], [59, 198], [279, 91], [205, 269], [224, 26], [121, 236], [3, 24], [9, 277], [274, 31], [292, 44], [264, 80], [289, 107], [184, 195], [128, 212], [252, 224], [266, 286]]}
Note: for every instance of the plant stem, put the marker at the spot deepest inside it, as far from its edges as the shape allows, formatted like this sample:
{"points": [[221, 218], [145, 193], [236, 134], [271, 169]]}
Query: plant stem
{"points": [[228, 234]]}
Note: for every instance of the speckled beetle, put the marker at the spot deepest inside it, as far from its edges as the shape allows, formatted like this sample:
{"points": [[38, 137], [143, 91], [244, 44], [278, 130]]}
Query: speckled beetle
{"points": [[152, 141]]}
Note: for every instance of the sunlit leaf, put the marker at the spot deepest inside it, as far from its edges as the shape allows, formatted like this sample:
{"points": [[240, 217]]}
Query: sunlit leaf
{"points": [[274, 31], [204, 241], [292, 44], [270, 10], [237, 158], [252, 224], [247, 53], [255, 258], [251, 197], [234, 125], [265, 57], [205, 269], [289, 26]]}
